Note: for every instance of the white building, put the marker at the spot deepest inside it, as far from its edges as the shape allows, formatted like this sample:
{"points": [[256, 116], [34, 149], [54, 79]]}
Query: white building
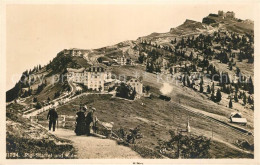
{"points": [[136, 84], [236, 117], [122, 60], [77, 75], [94, 77], [97, 77], [73, 52]]}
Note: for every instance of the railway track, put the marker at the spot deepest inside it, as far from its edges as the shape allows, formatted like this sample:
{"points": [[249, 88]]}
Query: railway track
{"points": [[239, 130]]}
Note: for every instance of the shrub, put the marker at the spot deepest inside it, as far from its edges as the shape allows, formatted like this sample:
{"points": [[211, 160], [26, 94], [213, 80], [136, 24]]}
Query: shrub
{"points": [[38, 105], [125, 91], [188, 146]]}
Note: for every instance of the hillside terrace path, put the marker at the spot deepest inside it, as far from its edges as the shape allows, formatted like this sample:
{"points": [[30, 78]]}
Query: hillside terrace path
{"points": [[34, 112], [89, 147]]}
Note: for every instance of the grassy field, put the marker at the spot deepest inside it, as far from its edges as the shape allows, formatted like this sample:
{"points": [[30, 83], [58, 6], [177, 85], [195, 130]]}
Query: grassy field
{"points": [[155, 118], [185, 95]]}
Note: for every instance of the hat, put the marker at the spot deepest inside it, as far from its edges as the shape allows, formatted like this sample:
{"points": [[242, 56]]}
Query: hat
{"points": [[85, 107]]}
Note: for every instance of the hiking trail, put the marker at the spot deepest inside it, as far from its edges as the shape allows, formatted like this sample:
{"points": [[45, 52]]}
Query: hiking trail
{"points": [[89, 147]]}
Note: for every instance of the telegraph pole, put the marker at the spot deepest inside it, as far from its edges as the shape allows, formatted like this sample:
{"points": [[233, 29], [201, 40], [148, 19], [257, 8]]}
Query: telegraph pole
{"points": [[178, 151]]}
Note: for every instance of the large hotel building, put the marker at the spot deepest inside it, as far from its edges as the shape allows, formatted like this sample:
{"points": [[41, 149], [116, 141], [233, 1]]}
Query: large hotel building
{"points": [[93, 77]]}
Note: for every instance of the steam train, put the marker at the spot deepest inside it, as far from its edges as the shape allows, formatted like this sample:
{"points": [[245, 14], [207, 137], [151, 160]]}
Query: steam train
{"points": [[165, 98]]}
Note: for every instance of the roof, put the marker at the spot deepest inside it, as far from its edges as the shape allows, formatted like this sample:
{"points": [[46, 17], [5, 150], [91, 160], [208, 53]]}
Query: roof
{"points": [[96, 69], [230, 12], [75, 70], [134, 79], [236, 115], [105, 61], [109, 80], [238, 120]]}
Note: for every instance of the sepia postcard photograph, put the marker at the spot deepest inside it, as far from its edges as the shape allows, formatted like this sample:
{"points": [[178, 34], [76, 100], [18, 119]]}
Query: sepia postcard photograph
{"points": [[137, 81]]}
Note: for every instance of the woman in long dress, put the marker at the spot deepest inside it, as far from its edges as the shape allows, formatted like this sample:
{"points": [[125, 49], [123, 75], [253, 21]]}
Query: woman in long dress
{"points": [[80, 123]]}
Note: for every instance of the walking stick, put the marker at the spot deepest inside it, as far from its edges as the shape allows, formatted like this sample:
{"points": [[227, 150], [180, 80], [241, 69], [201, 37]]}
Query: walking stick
{"points": [[57, 124]]}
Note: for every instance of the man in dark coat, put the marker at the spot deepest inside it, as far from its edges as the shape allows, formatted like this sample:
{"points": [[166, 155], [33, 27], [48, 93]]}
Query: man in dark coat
{"points": [[89, 120], [52, 116]]}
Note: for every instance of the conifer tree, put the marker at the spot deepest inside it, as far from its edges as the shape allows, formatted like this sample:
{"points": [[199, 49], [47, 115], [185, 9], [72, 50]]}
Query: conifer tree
{"points": [[184, 80], [235, 97], [230, 103], [171, 70], [213, 87], [188, 81], [201, 88], [218, 96], [250, 86], [191, 56], [35, 99], [29, 91], [244, 98], [249, 100], [212, 97], [208, 89]]}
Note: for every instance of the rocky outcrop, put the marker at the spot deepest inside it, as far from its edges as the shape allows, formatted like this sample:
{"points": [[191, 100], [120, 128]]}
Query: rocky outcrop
{"points": [[189, 25], [208, 20]]}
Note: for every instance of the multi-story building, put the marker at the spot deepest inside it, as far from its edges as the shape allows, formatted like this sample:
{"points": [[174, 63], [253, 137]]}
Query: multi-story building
{"points": [[221, 13], [94, 77], [229, 14], [136, 84], [97, 77], [73, 52], [122, 60], [77, 75]]}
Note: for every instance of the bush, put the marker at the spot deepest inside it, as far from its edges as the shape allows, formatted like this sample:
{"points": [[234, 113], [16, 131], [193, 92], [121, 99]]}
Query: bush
{"points": [[125, 91], [188, 146], [35, 99], [111, 89], [38, 105], [56, 95]]}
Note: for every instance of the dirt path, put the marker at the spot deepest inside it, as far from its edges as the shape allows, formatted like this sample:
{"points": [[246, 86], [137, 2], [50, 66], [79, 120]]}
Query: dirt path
{"points": [[94, 148]]}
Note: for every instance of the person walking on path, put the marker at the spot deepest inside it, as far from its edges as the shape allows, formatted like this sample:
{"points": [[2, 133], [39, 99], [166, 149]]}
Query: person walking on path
{"points": [[80, 122], [52, 116], [89, 120]]}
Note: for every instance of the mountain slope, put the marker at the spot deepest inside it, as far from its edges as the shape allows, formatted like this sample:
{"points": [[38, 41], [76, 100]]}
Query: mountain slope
{"points": [[215, 46]]}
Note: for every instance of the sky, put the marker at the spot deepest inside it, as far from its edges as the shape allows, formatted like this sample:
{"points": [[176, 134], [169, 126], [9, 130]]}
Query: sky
{"points": [[36, 33]]}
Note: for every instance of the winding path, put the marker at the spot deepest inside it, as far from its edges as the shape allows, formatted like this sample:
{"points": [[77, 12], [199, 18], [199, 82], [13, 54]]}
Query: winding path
{"points": [[96, 148]]}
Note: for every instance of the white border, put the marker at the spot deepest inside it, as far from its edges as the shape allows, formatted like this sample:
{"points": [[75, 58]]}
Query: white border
{"points": [[256, 160]]}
